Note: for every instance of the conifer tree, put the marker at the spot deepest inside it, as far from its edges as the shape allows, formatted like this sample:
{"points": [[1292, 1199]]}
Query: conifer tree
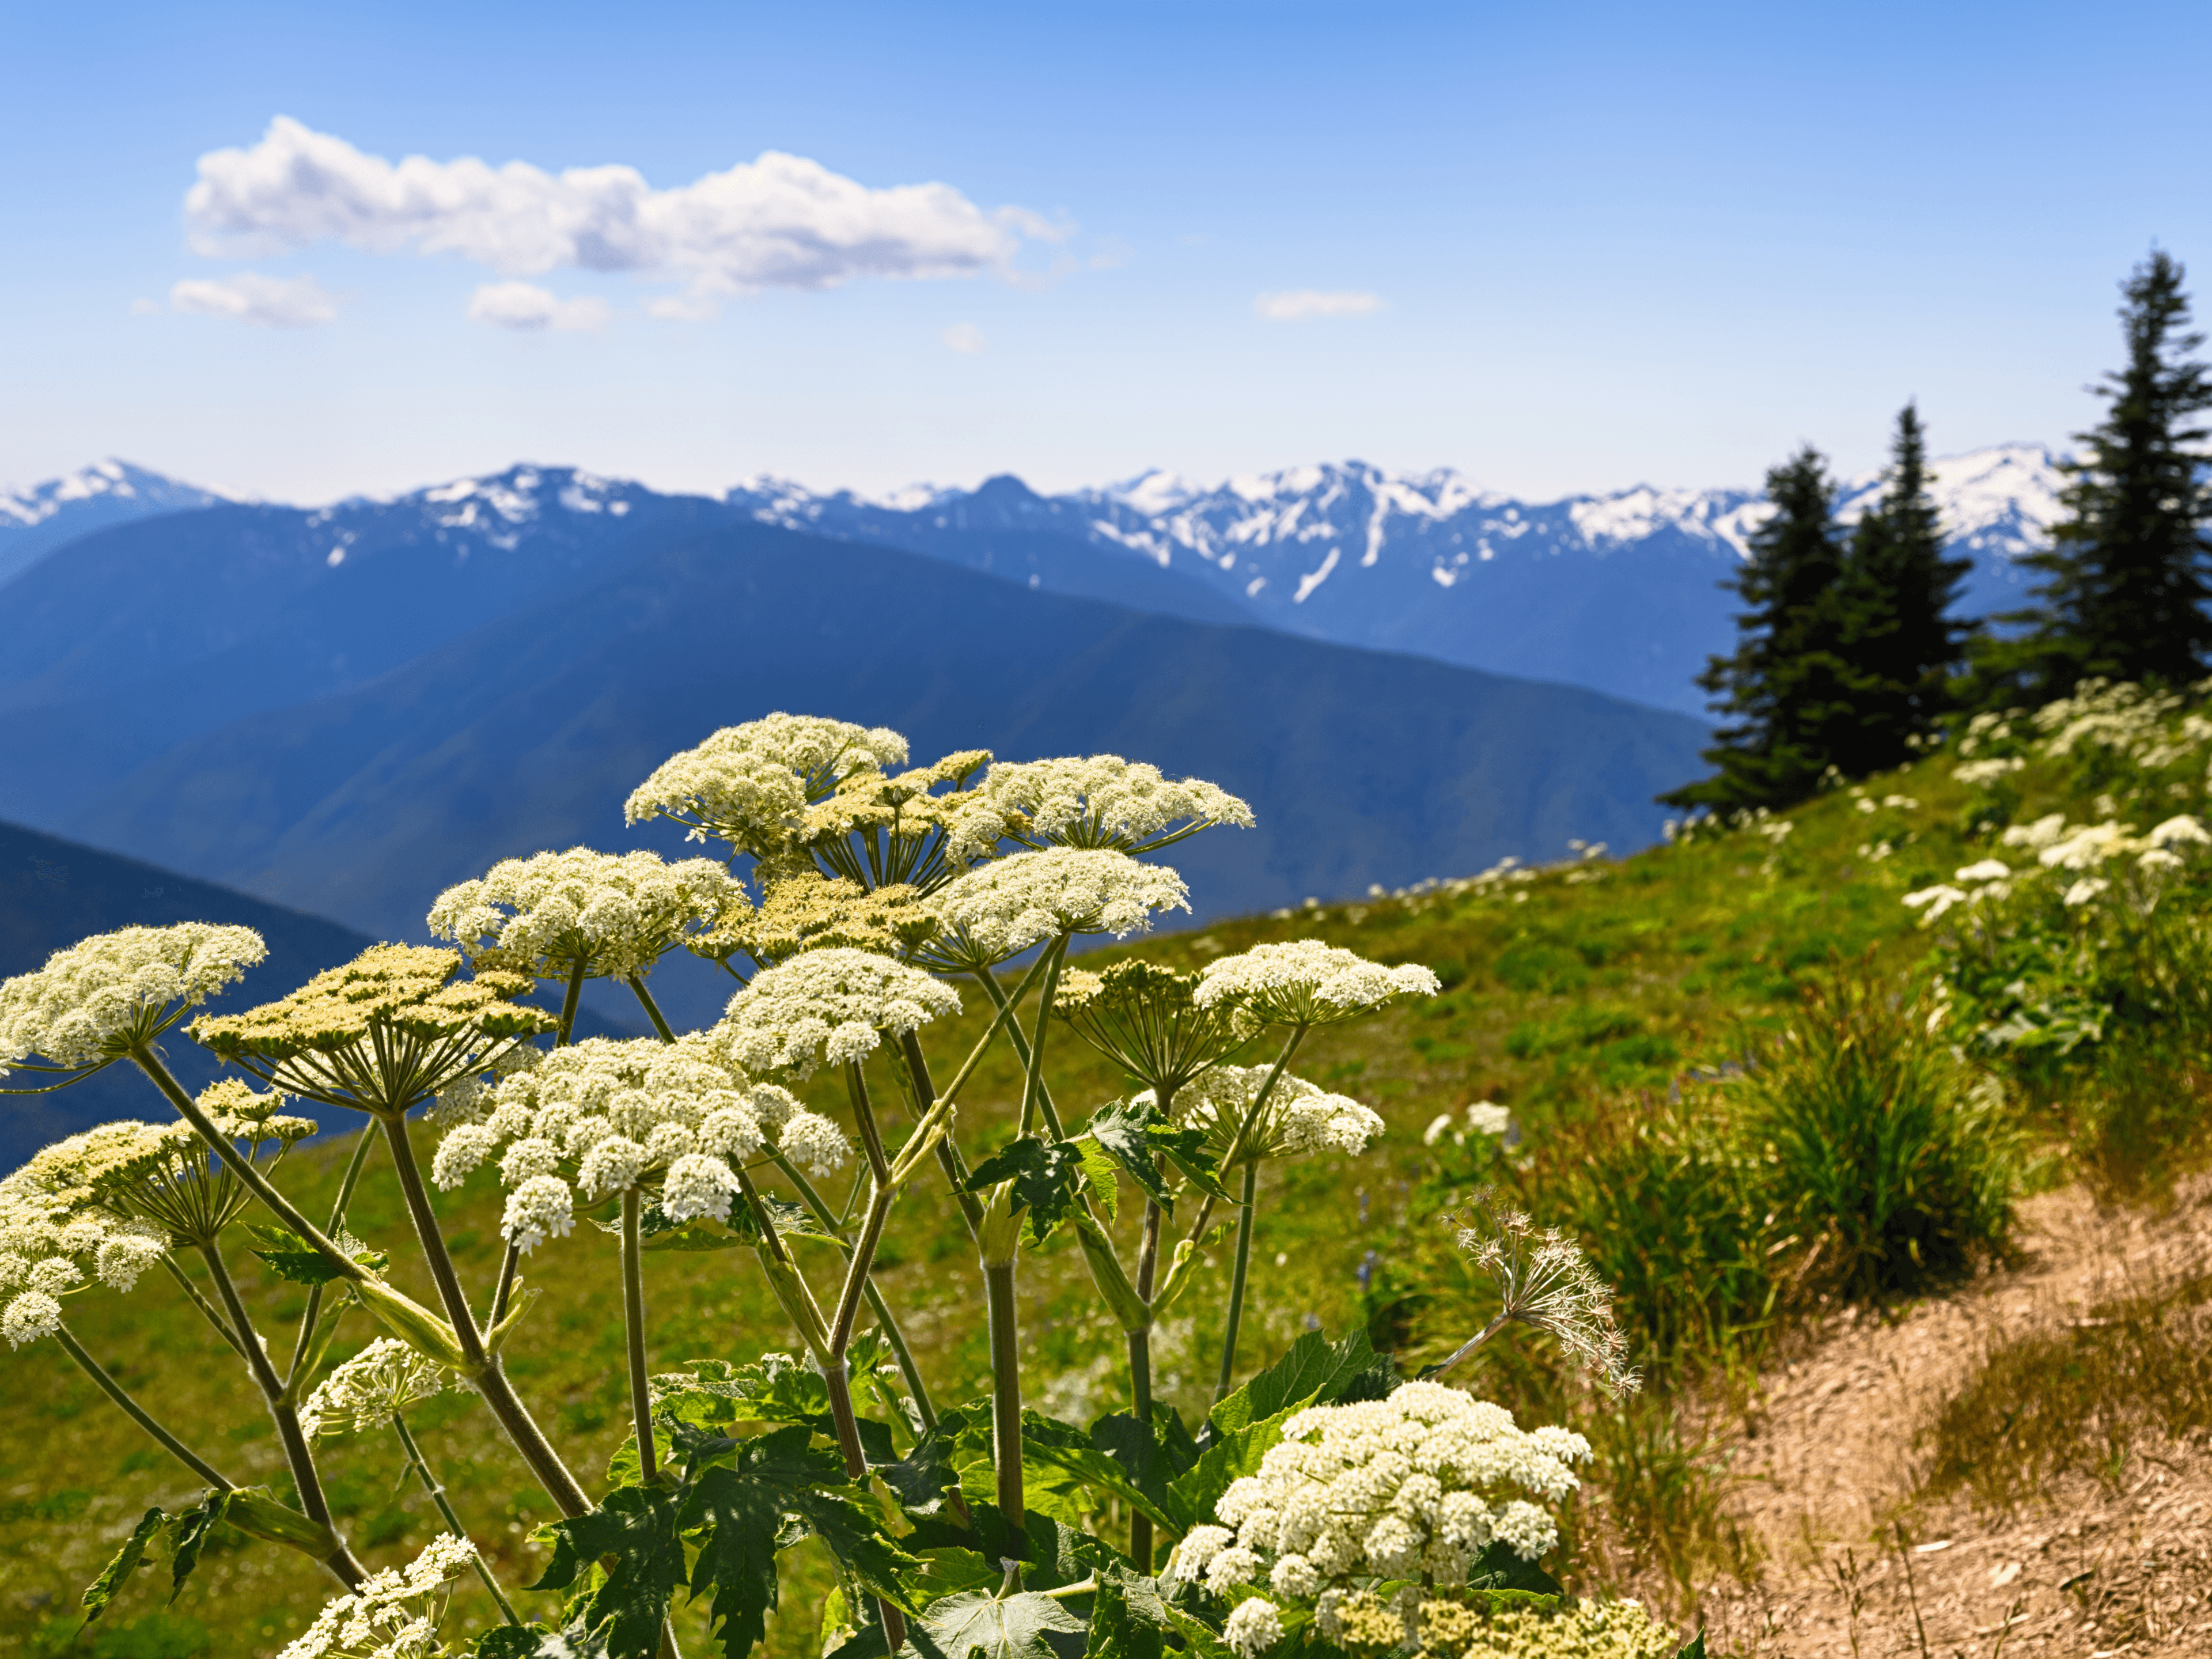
{"points": [[2124, 583], [1787, 684], [1894, 627]]}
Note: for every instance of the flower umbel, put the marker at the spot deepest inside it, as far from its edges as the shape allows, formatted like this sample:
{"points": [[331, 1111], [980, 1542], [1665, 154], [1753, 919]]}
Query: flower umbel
{"points": [[385, 1377], [829, 1005], [1545, 1281], [395, 1614], [750, 785], [548, 914], [95, 1001], [1308, 983], [1002, 908], [1099, 801]]}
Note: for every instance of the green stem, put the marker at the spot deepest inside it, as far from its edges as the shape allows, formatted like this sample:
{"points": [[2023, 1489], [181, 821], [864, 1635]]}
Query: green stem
{"points": [[136, 1413], [346, 1184], [568, 1001], [640, 1386], [484, 1369], [1236, 1282], [1141, 1369], [436, 1488], [297, 1454], [207, 1309], [652, 1008], [510, 1265], [948, 1149], [1006, 1398], [242, 1166], [1034, 1094]]}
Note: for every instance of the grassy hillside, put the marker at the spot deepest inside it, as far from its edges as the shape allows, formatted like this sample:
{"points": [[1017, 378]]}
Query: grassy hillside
{"points": [[1609, 1004]]}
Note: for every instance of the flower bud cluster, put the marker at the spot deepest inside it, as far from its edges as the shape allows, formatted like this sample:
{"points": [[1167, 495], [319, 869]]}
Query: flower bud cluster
{"points": [[385, 1378], [396, 1612], [92, 1000], [1416, 1485], [828, 1005], [603, 1117], [614, 914]]}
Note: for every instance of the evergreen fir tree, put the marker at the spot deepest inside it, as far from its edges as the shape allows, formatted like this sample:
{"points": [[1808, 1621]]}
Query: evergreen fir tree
{"points": [[2125, 578], [1788, 685], [1894, 627]]}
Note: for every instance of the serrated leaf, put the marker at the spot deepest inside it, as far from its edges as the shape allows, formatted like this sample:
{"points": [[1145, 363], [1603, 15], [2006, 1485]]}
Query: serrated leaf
{"points": [[189, 1533], [1047, 1179], [290, 1257], [1138, 1136], [537, 1641], [1191, 1496], [1692, 1649], [1128, 1619], [1023, 1626], [921, 1478], [1068, 1450], [1311, 1371], [948, 1569], [737, 1556], [1152, 1459], [634, 1529], [99, 1593], [1099, 1167]]}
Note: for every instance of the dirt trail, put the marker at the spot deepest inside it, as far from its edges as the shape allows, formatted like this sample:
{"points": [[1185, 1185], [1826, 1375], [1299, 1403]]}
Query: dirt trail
{"points": [[1825, 1458]]}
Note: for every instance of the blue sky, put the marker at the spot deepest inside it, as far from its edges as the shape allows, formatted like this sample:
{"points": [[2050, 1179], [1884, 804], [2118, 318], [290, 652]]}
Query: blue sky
{"points": [[1584, 246]]}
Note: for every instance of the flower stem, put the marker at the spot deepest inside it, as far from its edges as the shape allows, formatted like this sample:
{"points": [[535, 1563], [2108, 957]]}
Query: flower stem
{"points": [[1006, 1398], [573, 995], [294, 1374], [484, 1369], [297, 1454], [652, 1008], [207, 1309], [1236, 1281], [640, 1386], [1468, 1348], [136, 1413], [436, 1488], [1141, 1365]]}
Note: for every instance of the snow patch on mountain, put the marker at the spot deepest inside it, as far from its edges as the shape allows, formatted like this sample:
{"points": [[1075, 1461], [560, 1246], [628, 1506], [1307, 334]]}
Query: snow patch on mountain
{"points": [[111, 481]]}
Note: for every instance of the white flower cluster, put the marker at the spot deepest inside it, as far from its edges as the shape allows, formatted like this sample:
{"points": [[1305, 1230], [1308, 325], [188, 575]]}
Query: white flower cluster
{"points": [[53, 1228], [1484, 1117], [385, 1378], [999, 909], [1418, 1484], [604, 1115], [1099, 801], [615, 914], [96, 996], [1977, 775], [750, 784], [396, 1612], [1299, 1116], [1307, 982], [830, 1006], [2074, 849]]}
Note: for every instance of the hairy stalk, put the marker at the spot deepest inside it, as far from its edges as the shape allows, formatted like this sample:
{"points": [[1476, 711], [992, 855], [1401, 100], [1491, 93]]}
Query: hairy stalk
{"points": [[1140, 1355], [302, 1360], [484, 1369], [640, 1386], [1006, 1397], [297, 1455], [1237, 1283], [1468, 1348], [436, 1489], [1034, 1094], [136, 1413], [652, 1008], [510, 1265], [207, 1309]]}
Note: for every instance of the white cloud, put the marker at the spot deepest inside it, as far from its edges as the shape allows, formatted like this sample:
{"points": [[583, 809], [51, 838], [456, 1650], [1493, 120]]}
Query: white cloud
{"points": [[778, 222], [526, 304], [1295, 304], [249, 297], [966, 338]]}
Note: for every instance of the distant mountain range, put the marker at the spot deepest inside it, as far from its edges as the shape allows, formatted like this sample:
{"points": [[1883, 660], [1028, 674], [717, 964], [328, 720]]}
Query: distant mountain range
{"points": [[1618, 591], [345, 709]]}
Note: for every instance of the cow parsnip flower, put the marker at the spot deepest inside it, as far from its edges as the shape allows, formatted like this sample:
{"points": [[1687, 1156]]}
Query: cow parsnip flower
{"points": [[601, 1116], [809, 911], [384, 1379], [1101, 801], [389, 1028], [1418, 1484], [750, 785], [55, 1225], [1544, 1281], [396, 1612], [829, 1006], [880, 831], [614, 914], [1298, 1117], [1001, 908], [99, 999], [1146, 1018], [1306, 982]]}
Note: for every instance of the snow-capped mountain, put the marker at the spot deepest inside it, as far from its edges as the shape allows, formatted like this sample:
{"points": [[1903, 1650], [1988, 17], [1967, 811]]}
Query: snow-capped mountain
{"points": [[108, 492], [1620, 591]]}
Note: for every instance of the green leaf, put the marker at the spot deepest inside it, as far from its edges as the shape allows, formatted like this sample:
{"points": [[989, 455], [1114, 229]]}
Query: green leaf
{"points": [[737, 1556], [1313, 1371], [291, 1257], [777, 1388], [1692, 1649], [1150, 1459], [536, 1641], [189, 1533], [1098, 1171], [1128, 1619], [632, 1538], [1047, 1179], [101, 1590], [1068, 1450], [1138, 1136], [1498, 1568], [1022, 1626], [1191, 1496], [948, 1569], [921, 1478]]}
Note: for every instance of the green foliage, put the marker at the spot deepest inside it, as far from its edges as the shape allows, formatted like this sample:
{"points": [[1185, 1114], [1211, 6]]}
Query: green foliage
{"points": [[1047, 1179], [101, 1590], [1022, 1627], [623, 1560], [291, 1258]]}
